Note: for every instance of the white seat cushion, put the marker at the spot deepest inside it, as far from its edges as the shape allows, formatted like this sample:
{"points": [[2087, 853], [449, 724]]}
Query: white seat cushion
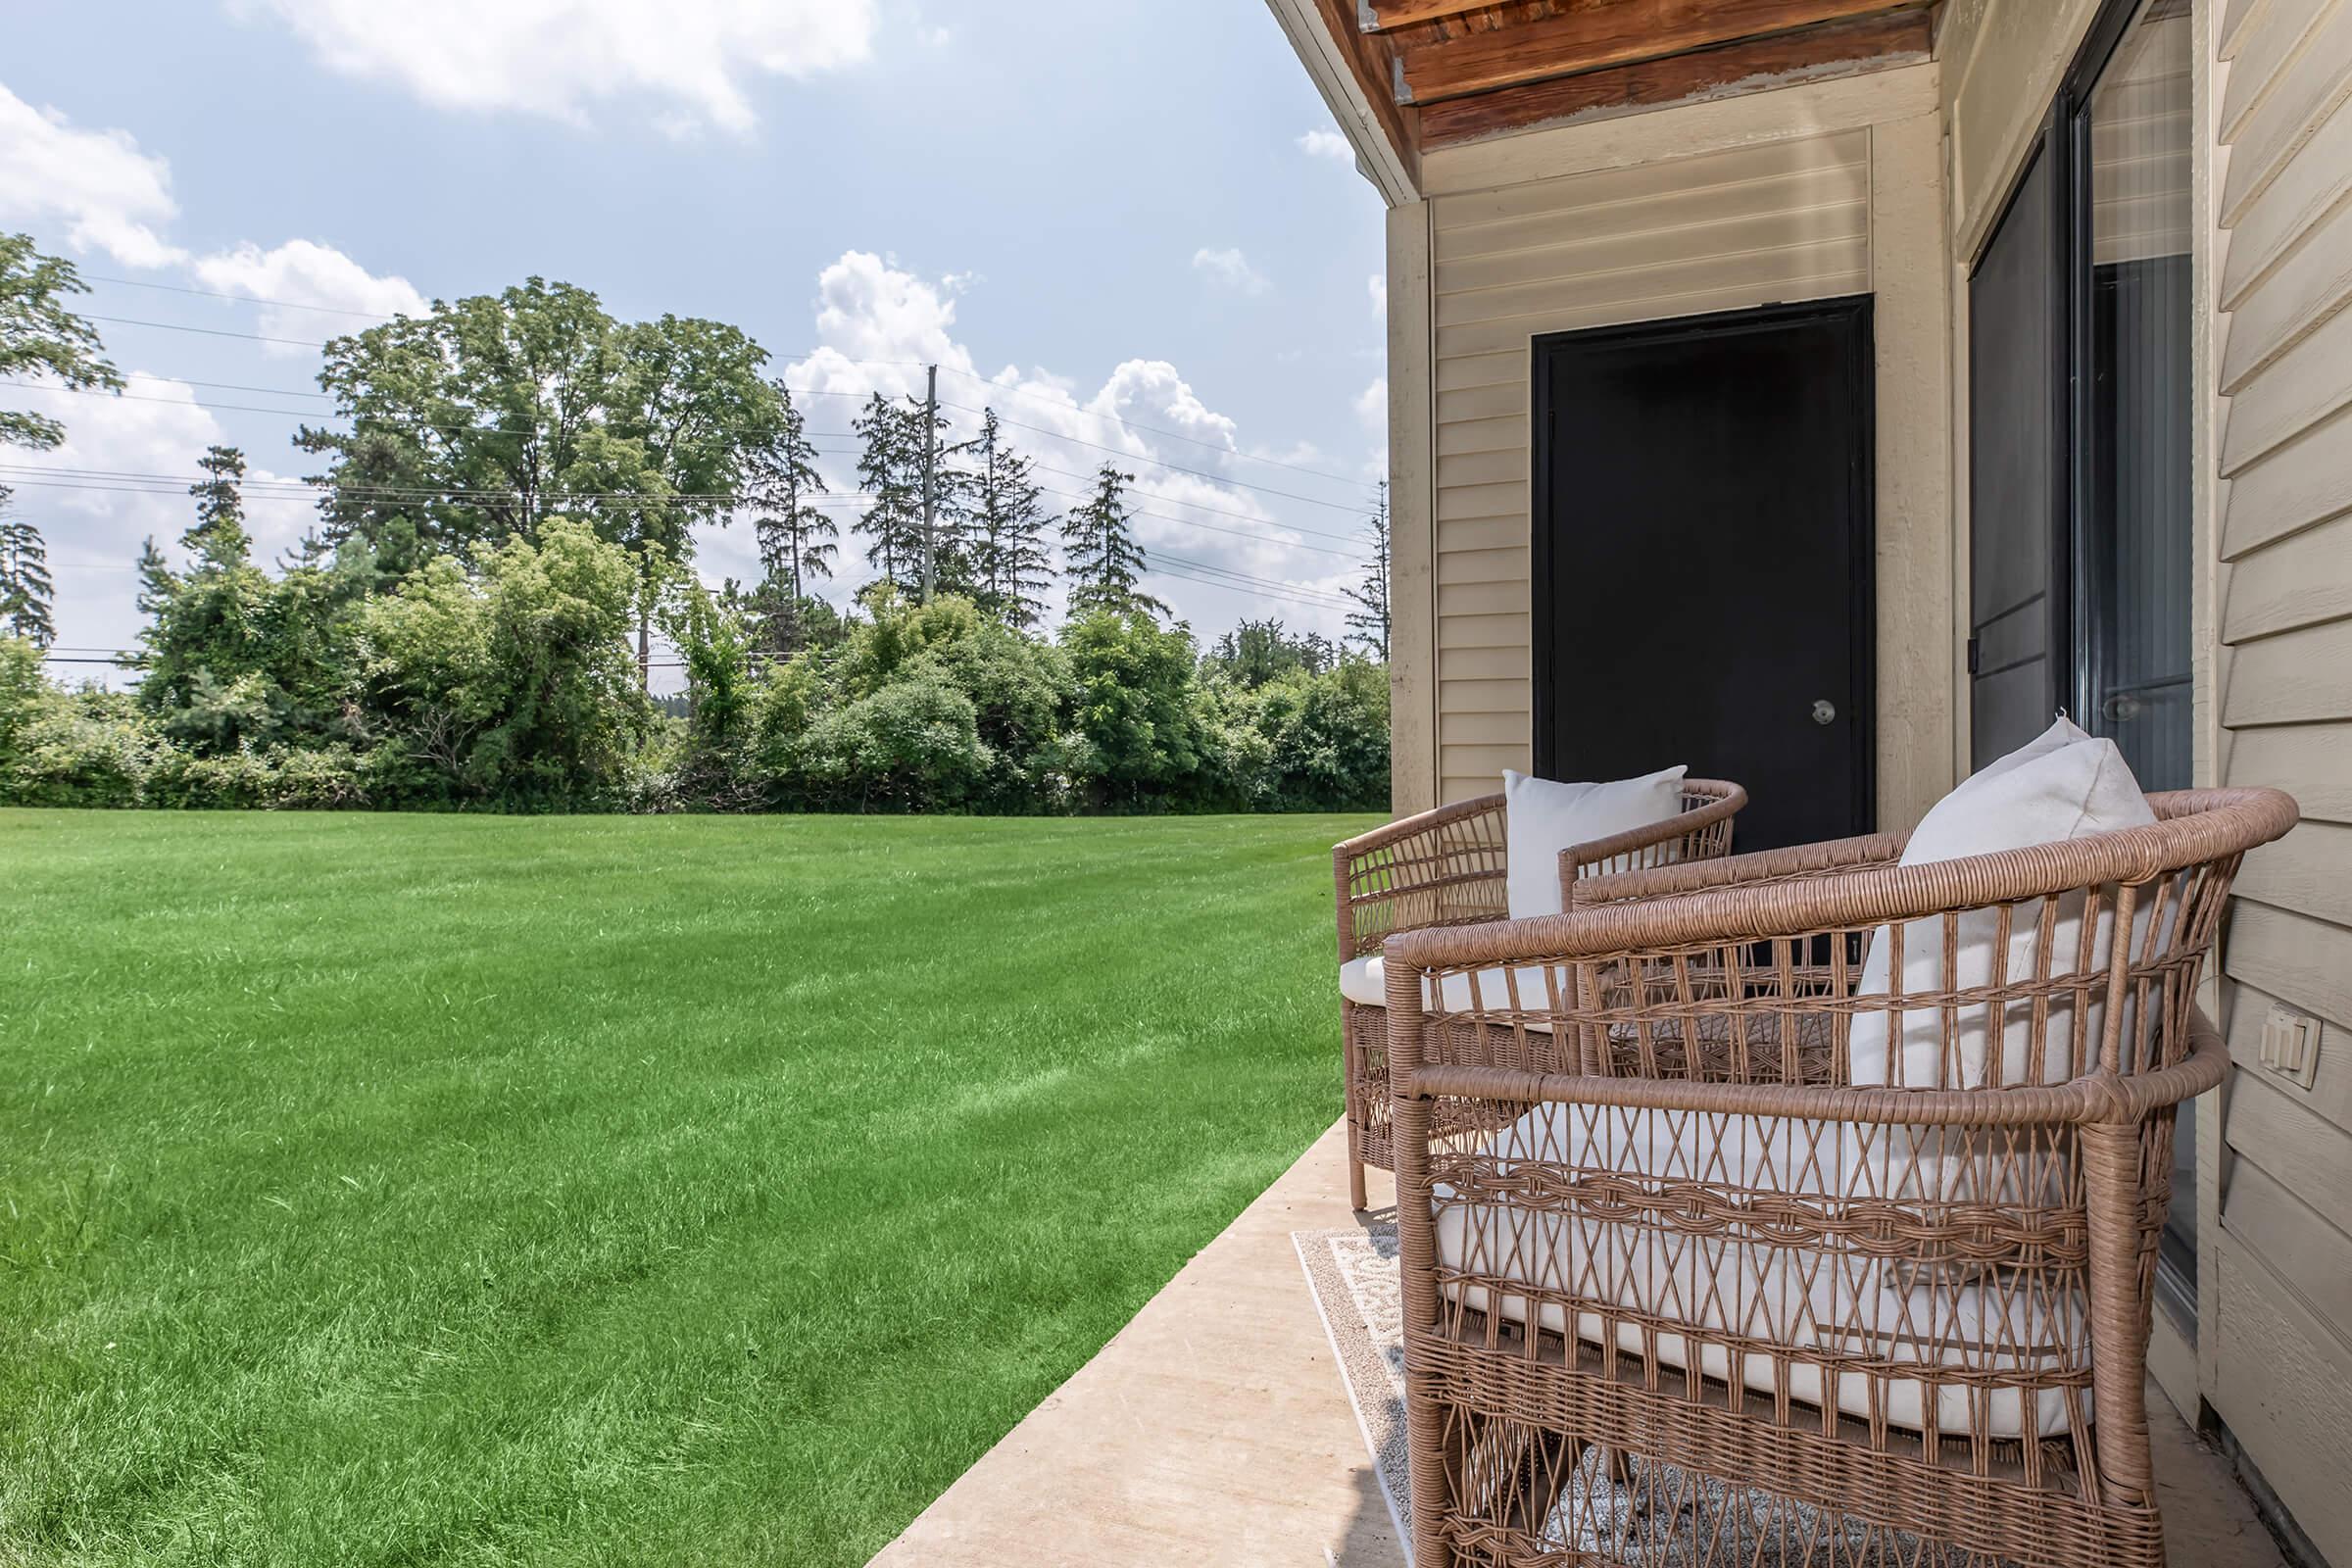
{"points": [[1738, 1281], [1365, 982], [1543, 817]]}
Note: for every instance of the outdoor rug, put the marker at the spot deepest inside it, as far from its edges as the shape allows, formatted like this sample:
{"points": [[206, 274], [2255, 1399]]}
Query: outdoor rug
{"points": [[1354, 1276]]}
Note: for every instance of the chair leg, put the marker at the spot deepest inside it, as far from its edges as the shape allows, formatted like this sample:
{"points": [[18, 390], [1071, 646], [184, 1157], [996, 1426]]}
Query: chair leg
{"points": [[1355, 1177]]}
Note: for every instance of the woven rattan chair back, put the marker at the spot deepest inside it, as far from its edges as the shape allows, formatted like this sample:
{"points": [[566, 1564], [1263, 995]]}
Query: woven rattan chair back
{"points": [[1838, 1244], [1448, 867]]}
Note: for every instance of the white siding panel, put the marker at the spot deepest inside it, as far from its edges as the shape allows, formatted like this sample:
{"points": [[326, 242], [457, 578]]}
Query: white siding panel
{"points": [[1779, 221], [2281, 1303]]}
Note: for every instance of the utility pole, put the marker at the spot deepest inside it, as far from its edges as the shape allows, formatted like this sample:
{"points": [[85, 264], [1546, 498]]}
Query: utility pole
{"points": [[930, 467]]}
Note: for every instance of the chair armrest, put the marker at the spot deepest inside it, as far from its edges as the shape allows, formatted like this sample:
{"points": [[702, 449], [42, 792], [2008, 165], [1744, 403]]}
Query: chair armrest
{"points": [[1439, 867]]}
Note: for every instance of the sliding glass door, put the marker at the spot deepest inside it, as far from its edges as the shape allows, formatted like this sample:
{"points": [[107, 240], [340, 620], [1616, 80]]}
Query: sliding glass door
{"points": [[2081, 546]]}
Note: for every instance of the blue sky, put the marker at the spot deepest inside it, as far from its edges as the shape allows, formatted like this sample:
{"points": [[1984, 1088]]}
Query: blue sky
{"points": [[1089, 211]]}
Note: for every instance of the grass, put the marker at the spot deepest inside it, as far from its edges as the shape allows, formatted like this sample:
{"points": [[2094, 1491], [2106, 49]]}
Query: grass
{"points": [[388, 1190]]}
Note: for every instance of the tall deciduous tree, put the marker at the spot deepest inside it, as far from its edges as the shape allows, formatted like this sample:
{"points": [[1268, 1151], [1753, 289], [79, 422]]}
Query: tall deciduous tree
{"points": [[796, 535], [485, 416], [1107, 564], [42, 338], [26, 595], [1002, 526], [1368, 622], [690, 398]]}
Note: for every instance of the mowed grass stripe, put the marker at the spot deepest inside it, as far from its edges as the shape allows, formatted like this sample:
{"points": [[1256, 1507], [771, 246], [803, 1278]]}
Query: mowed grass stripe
{"points": [[405, 1190]]}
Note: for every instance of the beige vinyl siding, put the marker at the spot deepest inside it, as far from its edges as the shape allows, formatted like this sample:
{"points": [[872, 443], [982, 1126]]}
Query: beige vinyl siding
{"points": [[1784, 221], [2283, 370]]}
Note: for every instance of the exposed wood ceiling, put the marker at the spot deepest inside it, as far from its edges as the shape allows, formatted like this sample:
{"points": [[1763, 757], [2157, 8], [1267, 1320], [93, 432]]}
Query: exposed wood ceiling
{"points": [[1455, 69]]}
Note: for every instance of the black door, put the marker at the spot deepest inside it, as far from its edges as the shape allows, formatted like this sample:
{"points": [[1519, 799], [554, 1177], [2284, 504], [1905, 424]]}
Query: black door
{"points": [[1702, 559], [2017, 617]]}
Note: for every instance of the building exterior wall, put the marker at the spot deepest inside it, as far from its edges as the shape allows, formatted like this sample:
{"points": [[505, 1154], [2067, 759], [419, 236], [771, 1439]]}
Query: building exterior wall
{"points": [[1783, 209], [2280, 196], [1891, 183]]}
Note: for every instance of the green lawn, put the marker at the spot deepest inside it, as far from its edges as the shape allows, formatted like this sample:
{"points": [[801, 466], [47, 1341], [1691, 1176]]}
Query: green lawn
{"points": [[472, 1190]]}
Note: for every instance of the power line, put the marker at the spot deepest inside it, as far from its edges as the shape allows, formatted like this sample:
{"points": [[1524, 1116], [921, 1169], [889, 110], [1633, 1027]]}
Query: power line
{"points": [[247, 299], [1197, 506], [209, 332], [1161, 462], [307, 415], [1174, 435]]}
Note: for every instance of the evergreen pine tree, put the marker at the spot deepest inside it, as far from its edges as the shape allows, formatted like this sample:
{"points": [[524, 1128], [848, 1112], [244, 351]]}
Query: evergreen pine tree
{"points": [[1001, 524], [26, 595], [890, 472], [1368, 622], [796, 535], [219, 539], [1106, 562]]}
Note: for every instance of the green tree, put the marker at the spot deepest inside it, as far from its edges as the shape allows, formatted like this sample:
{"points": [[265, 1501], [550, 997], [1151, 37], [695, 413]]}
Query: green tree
{"points": [[42, 339], [889, 473], [1137, 709], [1105, 562], [1002, 526], [26, 594], [218, 537], [1368, 622], [511, 682], [689, 399], [1256, 652], [485, 416], [796, 535]]}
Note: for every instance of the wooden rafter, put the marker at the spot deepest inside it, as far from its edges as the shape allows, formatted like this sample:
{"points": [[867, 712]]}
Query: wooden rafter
{"points": [[1379, 16], [1436, 62], [1869, 42]]}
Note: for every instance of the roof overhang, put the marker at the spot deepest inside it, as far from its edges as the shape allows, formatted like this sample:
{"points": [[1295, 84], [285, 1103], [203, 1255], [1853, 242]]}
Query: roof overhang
{"points": [[1406, 76]]}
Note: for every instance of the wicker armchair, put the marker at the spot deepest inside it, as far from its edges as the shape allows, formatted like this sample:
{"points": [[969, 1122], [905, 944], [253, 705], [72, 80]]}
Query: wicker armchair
{"points": [[1447, 867], [1710, 1300]]}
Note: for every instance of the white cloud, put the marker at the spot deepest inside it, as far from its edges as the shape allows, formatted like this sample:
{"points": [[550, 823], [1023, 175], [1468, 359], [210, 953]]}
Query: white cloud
{"points": [[1372, 405], [556, 57], [1231, 268], [109, 195], [1321, 143], [1377, 286], [300, 273]]}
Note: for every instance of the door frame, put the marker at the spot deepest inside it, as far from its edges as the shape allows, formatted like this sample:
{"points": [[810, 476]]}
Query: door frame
{"points": [[1861, 698]]}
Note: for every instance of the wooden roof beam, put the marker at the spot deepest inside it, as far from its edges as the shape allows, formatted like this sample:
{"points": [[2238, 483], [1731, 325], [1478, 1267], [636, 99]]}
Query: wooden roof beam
{"points": [[1430, 70], [1838, 48], [1381, 15]]}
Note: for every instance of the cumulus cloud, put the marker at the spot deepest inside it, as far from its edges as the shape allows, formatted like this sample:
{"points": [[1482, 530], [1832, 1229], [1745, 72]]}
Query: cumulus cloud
{"points": [[109, 195], [878, 324], [1321, 143], [1231, 268], [1372, 404], [556, 57], [1377, 286], [338, 290]]}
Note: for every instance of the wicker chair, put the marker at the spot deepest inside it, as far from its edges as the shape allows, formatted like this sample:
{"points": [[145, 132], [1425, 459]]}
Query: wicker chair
{"points": [[1708, 1300], [1447, 867]]}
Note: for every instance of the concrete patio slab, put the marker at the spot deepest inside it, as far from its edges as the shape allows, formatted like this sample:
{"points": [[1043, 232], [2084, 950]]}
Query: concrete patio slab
{"points": [[1215, 1429]]}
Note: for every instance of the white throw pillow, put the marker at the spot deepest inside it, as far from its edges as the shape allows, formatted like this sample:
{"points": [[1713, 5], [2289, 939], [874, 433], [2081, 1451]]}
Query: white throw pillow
{"points": [[2061, 785], [1542, 818]]}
